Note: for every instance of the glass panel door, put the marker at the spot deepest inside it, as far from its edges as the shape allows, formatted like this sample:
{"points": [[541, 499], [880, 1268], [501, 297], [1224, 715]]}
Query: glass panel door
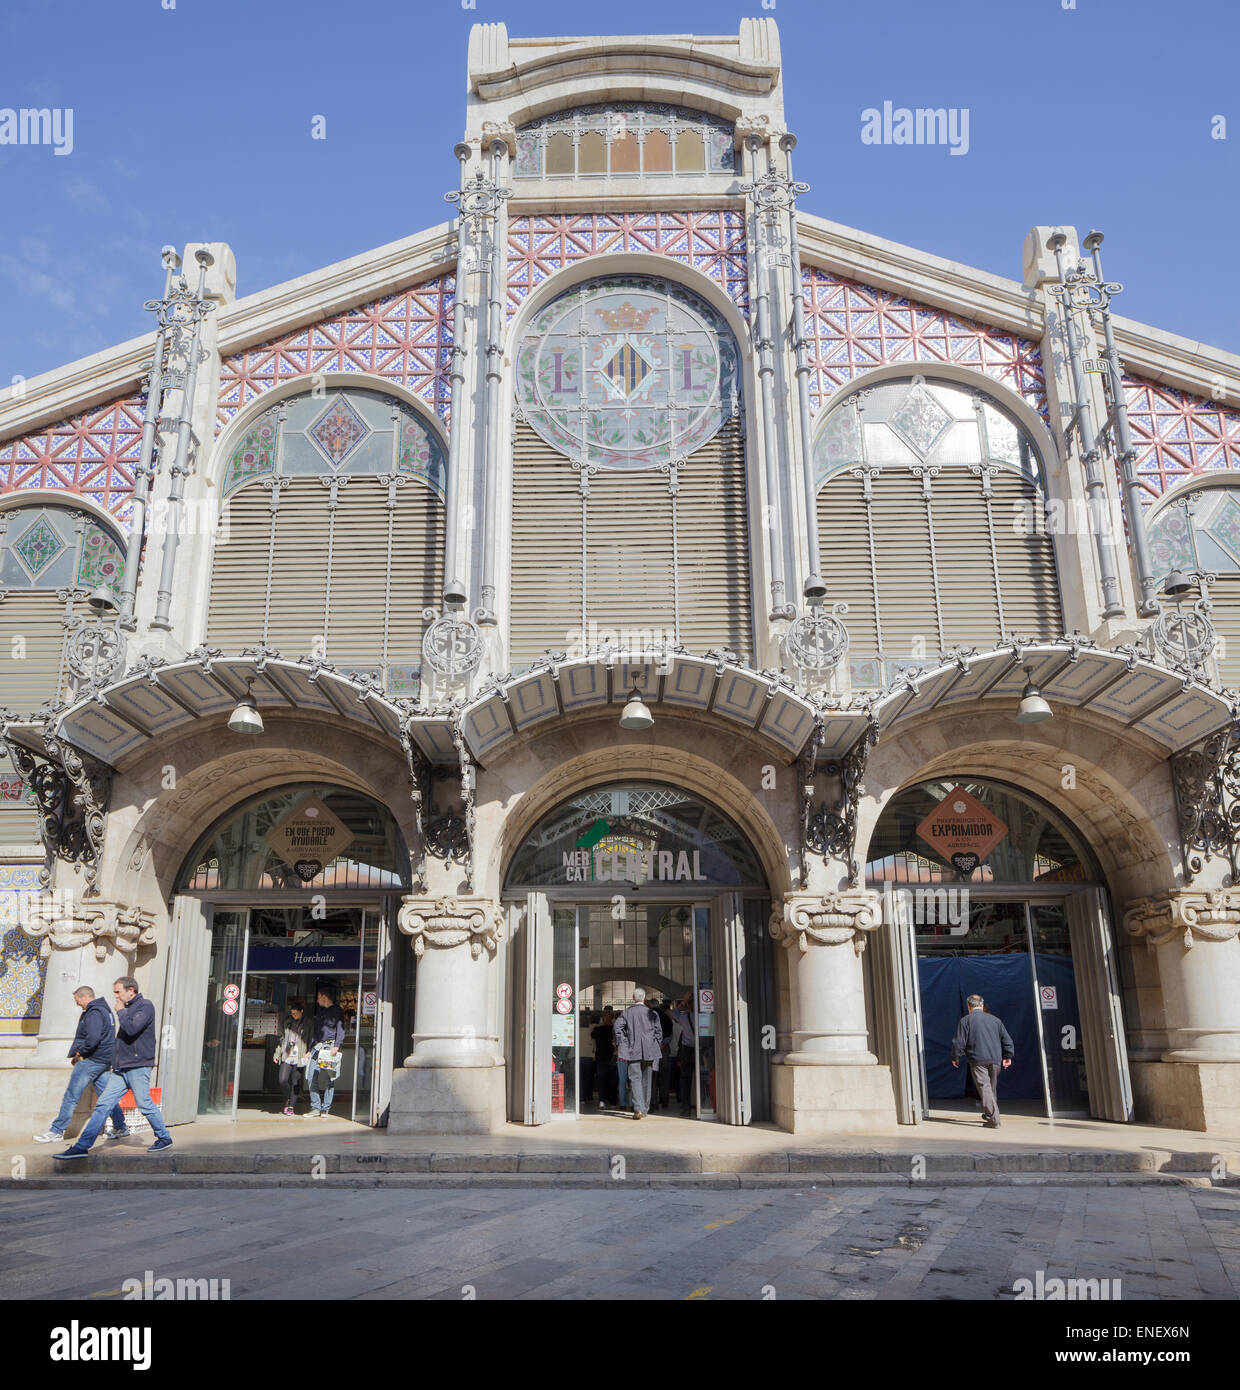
{"points": [[563, 1006], [217, 1093], [365, 1022], [704, 1014], [1064, 1050]]}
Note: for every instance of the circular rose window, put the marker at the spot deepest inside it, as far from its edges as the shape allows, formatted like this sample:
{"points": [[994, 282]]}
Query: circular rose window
{"points": [[627, 373]]}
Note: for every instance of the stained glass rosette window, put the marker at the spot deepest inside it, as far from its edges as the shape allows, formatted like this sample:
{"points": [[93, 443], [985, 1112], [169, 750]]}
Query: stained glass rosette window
{"points": [[627, 373]]}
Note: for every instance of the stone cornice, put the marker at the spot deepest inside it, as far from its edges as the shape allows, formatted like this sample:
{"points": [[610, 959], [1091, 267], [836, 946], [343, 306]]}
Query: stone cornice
{"points": [[447, 922], [1212, 915], [266, 314], [831, 919]]}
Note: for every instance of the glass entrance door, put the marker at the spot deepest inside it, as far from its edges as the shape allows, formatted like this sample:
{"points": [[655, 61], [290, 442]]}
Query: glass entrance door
{"points": [[600, 954]]}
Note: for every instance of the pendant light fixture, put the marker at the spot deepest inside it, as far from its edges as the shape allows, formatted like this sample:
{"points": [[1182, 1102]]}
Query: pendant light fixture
{"points": [[1033, 708], [245, 719], [636, 717]]}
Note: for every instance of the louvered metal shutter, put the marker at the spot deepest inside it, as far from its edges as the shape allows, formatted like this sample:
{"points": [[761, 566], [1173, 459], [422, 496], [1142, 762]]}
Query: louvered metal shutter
{"points": [[957, 545], [713, 527], [1225, 596], [32, 636], [358, 583], [546, 550], [630, 585]]}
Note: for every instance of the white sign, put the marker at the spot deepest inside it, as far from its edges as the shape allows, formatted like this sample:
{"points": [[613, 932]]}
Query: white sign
{"points": [[706, 1001], [230, 1006], [1050, 999], [370, 1001], [563, 1006], [563, 1029], [232, 992]]}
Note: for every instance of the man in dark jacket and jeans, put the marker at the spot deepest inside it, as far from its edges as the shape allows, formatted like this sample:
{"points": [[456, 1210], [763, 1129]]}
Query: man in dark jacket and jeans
{"points": [[131, 1069], [983, 1041], [91, 1053]]}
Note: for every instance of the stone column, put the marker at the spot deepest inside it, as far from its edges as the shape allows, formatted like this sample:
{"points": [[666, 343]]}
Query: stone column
{"points": [[830, 1081], [453, 1080], [1196, 1085], [92, 946]]}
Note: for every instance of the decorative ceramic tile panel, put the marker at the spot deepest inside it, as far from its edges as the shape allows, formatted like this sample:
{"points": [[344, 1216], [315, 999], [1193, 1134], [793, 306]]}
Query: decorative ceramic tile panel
{"points": [[1178, 435], [92, 455], [712, 242], [852, 328], [405, 338], [21, 969]]}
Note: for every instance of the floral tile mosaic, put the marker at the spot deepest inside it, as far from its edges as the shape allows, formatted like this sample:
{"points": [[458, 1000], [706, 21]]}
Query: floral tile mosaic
{"points": [[21, 969]]}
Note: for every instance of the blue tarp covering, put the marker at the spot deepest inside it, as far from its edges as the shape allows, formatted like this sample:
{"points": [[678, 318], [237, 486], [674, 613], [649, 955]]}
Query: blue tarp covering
{"points": [[1004, 981]]}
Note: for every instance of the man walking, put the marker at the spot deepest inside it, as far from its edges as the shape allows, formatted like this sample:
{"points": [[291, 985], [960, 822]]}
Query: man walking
{"points": [[91, 1052], [323, 1066], [131, 1069], [639, 1042], [684, 1045], [983, 1041]]}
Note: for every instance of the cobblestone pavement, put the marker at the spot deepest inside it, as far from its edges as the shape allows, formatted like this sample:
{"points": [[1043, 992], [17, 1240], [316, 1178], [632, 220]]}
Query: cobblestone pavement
{"points": [[861, 1243]]}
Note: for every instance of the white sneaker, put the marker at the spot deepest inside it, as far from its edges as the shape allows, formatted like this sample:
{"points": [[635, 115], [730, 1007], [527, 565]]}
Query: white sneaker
{"points": [[51, 1137]]}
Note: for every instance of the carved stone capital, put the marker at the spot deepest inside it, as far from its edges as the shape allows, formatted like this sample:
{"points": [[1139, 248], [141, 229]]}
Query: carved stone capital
{"points": [[830, 920], [1212, 915], [102, 924], [446, 922]]}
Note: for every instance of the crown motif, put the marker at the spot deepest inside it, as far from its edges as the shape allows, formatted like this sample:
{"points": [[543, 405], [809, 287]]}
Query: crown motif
{"points": [[626, 316]]}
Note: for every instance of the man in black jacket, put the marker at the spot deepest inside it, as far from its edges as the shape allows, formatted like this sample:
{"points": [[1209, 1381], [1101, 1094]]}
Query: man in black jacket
{"points": [[983, 1041], [326, 1041], [91, 1053], [131, 1069]]}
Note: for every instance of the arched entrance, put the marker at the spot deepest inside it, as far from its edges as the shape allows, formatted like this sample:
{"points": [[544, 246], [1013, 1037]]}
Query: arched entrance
{"points": [[988, 890], [638, 884], [288, 898]]}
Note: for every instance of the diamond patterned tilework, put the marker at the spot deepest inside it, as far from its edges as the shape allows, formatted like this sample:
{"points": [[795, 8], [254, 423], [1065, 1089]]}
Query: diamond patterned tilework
{"points": [[92, 454], [338, 431], [37, 546], [21, 969], [1178, 435], [851, 327], [406, 338], [712, 242]]}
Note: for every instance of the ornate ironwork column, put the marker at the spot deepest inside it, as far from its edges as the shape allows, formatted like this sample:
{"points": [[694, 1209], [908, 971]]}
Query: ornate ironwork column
{"points": [[186, 311]]}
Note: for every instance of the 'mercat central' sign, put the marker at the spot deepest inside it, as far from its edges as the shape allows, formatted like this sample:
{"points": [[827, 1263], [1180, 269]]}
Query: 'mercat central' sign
{"points": [[633, 866]]}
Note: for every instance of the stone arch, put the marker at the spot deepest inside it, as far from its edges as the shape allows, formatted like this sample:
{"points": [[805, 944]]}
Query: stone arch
{"points": [[699, 756], [152, 828], [67, 501], [1122, 804]]}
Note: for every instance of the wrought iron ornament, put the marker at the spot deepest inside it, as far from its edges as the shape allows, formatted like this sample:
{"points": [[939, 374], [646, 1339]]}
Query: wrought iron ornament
{"points": [[1207, 794], [818, 640], [453, 645]]}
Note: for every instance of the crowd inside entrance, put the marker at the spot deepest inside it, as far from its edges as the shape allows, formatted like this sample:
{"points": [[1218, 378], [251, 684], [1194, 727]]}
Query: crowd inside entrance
{"points": [[603, 1073]]}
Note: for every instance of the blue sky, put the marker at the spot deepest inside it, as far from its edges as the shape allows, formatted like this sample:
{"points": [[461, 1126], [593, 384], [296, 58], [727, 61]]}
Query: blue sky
{"points": [[194, 123]]}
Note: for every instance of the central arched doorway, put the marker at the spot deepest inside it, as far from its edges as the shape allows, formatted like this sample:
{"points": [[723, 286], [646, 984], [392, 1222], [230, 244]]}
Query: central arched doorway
{"points": [[628, 884], [989, 890], [288, 898]]}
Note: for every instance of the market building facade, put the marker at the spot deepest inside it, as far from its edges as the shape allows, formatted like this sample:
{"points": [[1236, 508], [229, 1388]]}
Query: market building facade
{"points": [[637, 579]]}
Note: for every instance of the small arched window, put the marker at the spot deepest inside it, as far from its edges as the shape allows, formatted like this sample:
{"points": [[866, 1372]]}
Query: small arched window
{"points": [[52, 559], [931, 523]]}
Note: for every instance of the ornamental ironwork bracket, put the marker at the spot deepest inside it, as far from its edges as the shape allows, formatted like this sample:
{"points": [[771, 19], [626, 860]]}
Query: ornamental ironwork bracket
{"points": [[1207, 798], [829, 823], [419, 793], [71, 791]]}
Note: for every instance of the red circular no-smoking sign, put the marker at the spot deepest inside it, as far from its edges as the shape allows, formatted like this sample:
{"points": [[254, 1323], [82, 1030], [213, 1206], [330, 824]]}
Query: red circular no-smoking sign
{"points": [[230, 1006]]}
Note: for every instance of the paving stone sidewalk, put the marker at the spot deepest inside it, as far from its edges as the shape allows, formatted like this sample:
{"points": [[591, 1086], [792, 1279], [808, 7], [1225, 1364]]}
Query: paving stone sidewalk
{"points": [[859, 1243]]}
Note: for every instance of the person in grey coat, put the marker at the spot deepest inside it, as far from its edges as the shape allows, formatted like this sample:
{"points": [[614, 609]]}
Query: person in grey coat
{"points": [[983, 1041], [639, 1042]]}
